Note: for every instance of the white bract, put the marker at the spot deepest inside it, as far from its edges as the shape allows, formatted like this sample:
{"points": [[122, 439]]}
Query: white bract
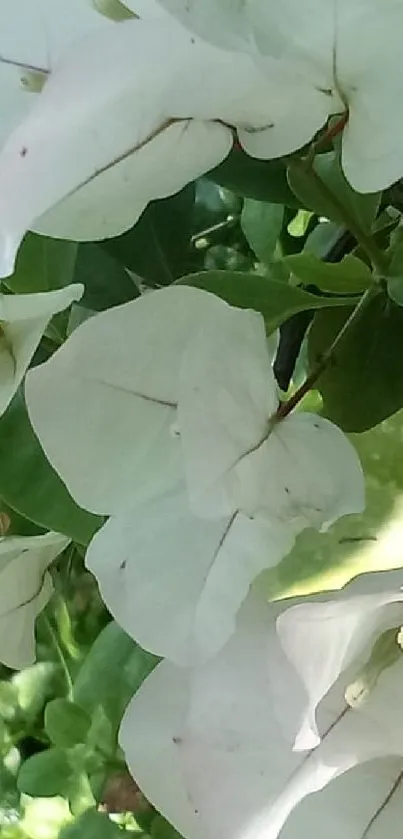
{"points": [[33, 36], [238, 456], [25, 589], [178, 385], [23, 320], [99, 146], [212, 747], [346, 54]]}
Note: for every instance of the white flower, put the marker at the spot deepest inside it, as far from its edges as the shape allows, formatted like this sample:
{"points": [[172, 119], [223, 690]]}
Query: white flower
{"points": [[23, 320], [348, 54], [211, 747], [237, 455], [179, 385], [97, 146], [25, 589]]}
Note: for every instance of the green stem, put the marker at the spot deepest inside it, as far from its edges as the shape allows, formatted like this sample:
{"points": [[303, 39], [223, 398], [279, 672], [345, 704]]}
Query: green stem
{"points": [[61, 657], [288, 406]]}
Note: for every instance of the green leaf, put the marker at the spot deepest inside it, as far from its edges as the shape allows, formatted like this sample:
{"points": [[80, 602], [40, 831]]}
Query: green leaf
{"points": [[43, 264], [261, 224], [362, 208], [157, 247], [106, 281], [30, 486], [113, 670], [364, 384], [276, 300], [92, 825], [395, 279], [349, 276], [46, 774], [66, 723], [258, 179]]}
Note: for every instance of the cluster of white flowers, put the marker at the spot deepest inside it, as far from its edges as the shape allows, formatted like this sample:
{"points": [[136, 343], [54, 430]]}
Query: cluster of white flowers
{"points": [[136, 108], [178, 438]]}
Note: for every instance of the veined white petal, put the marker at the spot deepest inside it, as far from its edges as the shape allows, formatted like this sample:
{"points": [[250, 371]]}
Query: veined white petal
{"points": [[306, 470], [323, 638], [372, 143], [213, 731], [23, 320], [226, 398], [121, 368], [175, 582], [107, 134], [25, 587]]}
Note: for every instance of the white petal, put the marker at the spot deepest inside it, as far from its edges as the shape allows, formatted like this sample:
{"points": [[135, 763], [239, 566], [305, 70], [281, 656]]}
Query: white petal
{"points": [[175, 582], [114, 200], [223, 23], [227, 395], [372, 143], [121, 368], [82, 150], [23, 320], [306, 471], [25, 588], [322, 639], [32, 38], [365, 802], [213, 733]]}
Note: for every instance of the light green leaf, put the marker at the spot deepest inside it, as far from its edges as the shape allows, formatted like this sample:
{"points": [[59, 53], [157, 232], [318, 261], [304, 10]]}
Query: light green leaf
{"points": [[276, 300], [298, 226], [66, 723], [92, 825], [349, 276], [46, 774], [30, 486], [112, 671], [261, 224]]}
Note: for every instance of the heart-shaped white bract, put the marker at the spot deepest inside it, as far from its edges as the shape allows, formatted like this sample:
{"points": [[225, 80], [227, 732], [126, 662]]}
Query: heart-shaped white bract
{"points": [[178, 385], [211, 747], [23, 320], [25, 589], [335, 50], [97, 147]]}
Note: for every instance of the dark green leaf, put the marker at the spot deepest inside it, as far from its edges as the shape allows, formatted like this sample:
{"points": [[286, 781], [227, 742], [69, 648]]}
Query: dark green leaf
{"points": [[30, 486], [349, 276], [261, 223], [46, 774], [43, 264], [66, 723], [106, 281], [157, 247], [252, 178], [364, 384], [276, 300]]}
